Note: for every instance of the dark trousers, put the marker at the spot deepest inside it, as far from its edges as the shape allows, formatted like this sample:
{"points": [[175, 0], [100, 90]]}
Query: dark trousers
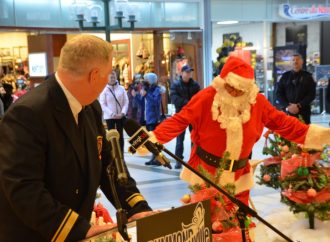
{"points": [[117, 124], [179, 143], [151, 127]]}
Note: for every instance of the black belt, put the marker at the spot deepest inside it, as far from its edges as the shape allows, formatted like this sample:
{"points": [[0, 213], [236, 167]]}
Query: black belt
{"points": [[212, 160]]}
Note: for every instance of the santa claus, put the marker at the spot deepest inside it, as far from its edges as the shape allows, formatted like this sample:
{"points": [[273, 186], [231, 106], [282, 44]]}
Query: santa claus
{"points": [[229, 116]]}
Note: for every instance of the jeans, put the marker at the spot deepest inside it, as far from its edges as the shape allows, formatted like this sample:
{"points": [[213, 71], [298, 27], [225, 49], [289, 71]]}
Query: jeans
{"points": [[179, 143], [117, 124]]}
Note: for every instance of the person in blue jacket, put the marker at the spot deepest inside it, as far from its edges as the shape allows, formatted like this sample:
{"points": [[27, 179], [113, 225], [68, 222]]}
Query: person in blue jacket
{"points": [[152, 94]]}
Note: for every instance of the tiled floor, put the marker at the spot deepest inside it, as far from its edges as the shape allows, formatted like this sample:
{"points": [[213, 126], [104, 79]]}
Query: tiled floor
{"points": [[163, 189]]}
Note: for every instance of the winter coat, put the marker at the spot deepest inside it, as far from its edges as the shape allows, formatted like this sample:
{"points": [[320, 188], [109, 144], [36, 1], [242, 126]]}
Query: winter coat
{"points": [[181, 92]]}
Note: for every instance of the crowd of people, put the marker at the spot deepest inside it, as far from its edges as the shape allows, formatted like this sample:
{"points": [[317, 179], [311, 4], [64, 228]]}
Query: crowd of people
{"points": [[11, 89]]}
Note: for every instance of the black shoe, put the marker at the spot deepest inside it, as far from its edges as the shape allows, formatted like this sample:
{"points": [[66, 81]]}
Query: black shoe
{"points": [[152, 163], [178, 166]]}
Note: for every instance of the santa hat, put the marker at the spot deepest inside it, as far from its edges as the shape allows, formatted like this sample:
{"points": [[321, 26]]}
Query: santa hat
{"points": [[238, 74]]}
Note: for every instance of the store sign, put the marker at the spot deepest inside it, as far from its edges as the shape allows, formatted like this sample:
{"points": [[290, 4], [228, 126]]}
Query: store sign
{"points": [[37, 64], [292, 12]]}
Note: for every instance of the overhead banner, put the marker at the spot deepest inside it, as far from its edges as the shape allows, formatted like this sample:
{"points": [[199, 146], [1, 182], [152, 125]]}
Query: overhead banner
{"points": [[300, 12]]}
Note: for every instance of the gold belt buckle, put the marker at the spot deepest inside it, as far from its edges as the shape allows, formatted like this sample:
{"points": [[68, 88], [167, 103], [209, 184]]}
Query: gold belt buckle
{"points": [[231, 165]]}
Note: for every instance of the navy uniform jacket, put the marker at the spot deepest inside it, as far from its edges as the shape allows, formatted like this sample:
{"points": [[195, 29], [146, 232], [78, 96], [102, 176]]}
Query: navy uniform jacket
{"points": [[297, 87], [47, 184]]}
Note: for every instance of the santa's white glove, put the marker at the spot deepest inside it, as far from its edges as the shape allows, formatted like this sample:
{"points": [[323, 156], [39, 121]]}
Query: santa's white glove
{"points": [[316, 137]]}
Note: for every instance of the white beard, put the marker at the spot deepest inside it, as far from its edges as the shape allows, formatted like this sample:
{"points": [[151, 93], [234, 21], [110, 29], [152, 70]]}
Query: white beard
{"points": [[232, 112]]}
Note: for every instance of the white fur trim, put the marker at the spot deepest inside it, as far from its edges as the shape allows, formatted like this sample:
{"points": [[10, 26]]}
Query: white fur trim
{"points": [[239, 82], [234, 139], [217, 83], [316, 137], [244, 182]]}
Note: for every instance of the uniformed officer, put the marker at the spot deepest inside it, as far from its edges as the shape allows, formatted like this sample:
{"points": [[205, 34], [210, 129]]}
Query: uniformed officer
{"points": [[296, 90], [54, 154]]}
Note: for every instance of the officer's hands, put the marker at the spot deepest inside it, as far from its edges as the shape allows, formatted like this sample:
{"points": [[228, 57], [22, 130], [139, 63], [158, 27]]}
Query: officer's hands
{"points": [[142, 215], [97, 229]]}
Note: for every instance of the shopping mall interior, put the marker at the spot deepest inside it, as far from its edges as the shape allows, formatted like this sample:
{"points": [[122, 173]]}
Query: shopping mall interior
{"points": [[163, 36]]}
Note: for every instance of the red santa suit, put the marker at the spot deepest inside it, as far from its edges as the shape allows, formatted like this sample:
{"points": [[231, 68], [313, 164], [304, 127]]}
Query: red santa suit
{"points": [[209, 134]]}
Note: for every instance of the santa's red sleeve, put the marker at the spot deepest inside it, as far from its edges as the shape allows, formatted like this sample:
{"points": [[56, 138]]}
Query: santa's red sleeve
{"points": [[312, 136], [189, 114]]}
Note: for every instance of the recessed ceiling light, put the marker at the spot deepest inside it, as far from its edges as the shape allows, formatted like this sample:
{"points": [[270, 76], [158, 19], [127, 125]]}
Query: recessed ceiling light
{"points": [[228, 22]]}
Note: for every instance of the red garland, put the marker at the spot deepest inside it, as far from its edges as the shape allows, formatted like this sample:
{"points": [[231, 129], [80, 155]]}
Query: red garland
{"points": [[272, 161], [301, 197], [305, 160]]}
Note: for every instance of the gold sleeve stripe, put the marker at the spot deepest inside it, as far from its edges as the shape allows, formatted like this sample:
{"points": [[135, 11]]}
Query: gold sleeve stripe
{"points": [[66, 226], [61, 225], [135, 200], [133, 195]]}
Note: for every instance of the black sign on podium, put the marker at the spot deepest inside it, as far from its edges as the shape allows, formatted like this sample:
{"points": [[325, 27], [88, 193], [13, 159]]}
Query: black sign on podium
{"points": [[188, 223]]}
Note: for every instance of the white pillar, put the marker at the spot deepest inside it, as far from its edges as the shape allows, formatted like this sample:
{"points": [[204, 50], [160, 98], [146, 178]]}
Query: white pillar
{"points": [[207, 43]]}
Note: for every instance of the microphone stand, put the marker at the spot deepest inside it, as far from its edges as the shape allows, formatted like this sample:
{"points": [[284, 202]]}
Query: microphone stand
{"points": [[243, 210], [121, 213]]}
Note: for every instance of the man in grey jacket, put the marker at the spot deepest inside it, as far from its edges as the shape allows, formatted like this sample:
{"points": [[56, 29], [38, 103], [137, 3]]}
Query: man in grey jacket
{"points": [[182, 91]]}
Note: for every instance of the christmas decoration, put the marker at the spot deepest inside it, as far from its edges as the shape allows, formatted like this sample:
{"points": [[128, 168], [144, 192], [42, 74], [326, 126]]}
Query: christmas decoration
{"points": [[305, 180], [280, 149], [231, 43], [225, 225]]}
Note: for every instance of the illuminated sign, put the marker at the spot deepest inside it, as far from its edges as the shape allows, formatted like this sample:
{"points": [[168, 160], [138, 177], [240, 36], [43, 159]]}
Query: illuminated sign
{"points": [[38, 64], [302, 12]]}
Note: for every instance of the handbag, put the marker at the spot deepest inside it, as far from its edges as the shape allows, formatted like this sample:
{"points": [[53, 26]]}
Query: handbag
{"points": [[124, 117]]}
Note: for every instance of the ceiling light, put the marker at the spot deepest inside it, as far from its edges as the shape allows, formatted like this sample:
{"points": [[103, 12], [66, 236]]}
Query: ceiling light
{"points": [[228, 22]]}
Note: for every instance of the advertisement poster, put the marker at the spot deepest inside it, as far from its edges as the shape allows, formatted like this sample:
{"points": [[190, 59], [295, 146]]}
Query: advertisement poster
{"points": [[322, 75], [283, 56], [282, 63], [38, 64]]}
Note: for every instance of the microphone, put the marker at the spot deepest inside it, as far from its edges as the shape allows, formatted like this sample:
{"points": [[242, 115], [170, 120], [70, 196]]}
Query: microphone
{"points": [[139, 136], [116, 154]]}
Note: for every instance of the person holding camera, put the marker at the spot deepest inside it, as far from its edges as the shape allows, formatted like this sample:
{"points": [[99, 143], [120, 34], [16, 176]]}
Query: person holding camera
{"points": [[152, 94], [136, 102], [114, 103]]}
